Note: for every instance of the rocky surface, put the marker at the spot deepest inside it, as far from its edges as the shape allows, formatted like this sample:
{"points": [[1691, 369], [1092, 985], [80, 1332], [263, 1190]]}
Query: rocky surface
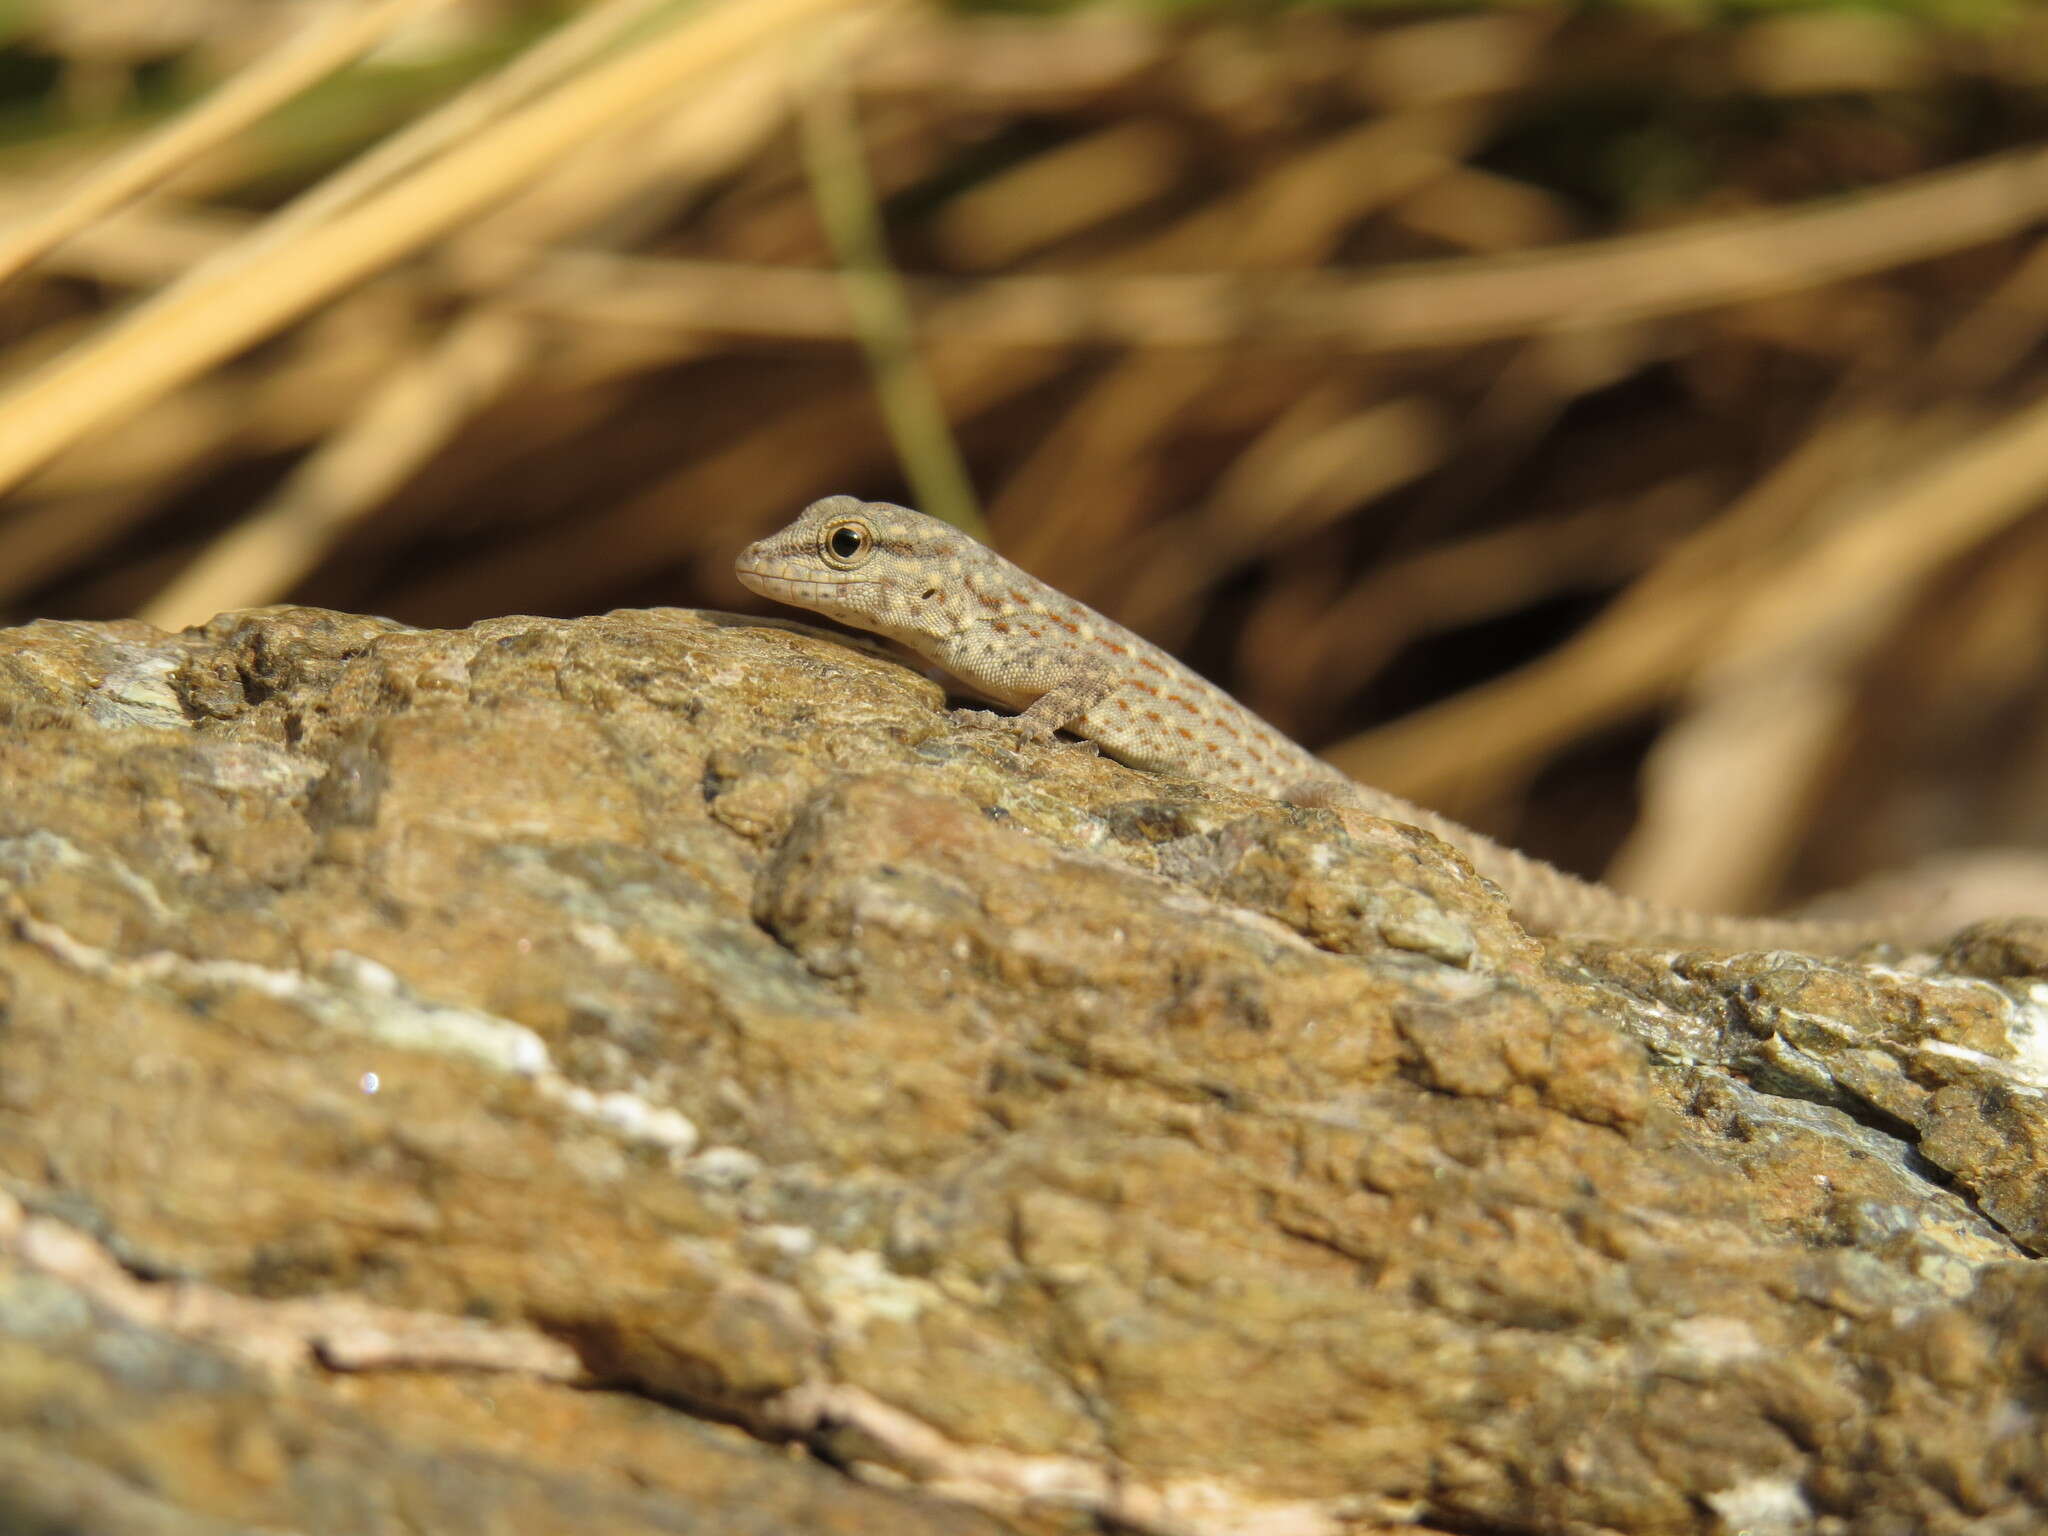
{"points": [[655, 1073]]}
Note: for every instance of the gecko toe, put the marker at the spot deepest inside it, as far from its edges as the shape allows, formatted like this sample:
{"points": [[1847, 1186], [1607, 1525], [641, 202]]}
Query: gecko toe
{"points": [[1313, 794], [1017, 727]]}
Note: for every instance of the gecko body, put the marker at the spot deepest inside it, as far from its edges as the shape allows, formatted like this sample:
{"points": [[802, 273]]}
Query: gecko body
{"points": [[1026, 645]]}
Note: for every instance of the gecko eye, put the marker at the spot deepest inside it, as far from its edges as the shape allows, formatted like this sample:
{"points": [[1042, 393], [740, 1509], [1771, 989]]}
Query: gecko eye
{"points": [[847, 544]]}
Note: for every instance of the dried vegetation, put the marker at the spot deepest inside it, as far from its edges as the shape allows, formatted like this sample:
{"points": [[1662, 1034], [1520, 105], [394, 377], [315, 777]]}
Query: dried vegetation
{"points": [[1623, 432]]}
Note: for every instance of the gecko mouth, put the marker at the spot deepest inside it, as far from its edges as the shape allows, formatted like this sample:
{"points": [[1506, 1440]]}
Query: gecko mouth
{"points": [[773, 583]]}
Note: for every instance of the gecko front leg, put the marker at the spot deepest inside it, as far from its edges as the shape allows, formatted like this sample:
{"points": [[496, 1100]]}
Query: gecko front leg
{"points": [[1055, 710]]}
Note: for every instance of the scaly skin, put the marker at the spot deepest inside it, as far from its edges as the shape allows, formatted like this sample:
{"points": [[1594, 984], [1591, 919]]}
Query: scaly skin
{"points": [[1017, 641]]}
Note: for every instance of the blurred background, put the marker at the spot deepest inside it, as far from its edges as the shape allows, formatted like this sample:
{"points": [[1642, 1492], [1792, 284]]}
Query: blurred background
{"points": [[1622, 427]]}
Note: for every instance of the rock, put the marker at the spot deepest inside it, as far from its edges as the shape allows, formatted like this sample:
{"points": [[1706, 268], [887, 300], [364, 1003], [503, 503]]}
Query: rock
{"points": [[2000, 948], [554, 1075]]}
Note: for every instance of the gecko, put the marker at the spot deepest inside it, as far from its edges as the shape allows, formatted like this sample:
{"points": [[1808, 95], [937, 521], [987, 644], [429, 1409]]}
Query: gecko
{"points": [[1064, 667]]}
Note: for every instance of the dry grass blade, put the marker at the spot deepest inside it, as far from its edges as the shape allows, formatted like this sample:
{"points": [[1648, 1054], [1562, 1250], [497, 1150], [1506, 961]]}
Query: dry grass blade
{"points": [[175, 440], [1957, 502], [1637, 652], [792, 453], [144, 245], [250, 95], [1319, 457], [845, 197], [1337, 650], [1455, 302], [1726, 792], [1720, 263], [1295, 214], [1744, 616], [410, 416], [136, 360], [1055, 511], [1728, 789], [551, 60], [629, 186]]}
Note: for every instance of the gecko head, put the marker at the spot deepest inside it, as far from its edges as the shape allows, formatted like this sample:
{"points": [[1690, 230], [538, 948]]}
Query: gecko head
{"points": [[866, 563]]}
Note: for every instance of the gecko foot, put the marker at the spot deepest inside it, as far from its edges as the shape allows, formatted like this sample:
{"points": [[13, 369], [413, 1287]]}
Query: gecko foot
{"points": [[1321, 795], [1021, 728], [1006, 725]]}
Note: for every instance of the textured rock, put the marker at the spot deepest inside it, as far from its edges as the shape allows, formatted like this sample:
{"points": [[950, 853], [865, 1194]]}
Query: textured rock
{"points": [[539, 1077]]}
